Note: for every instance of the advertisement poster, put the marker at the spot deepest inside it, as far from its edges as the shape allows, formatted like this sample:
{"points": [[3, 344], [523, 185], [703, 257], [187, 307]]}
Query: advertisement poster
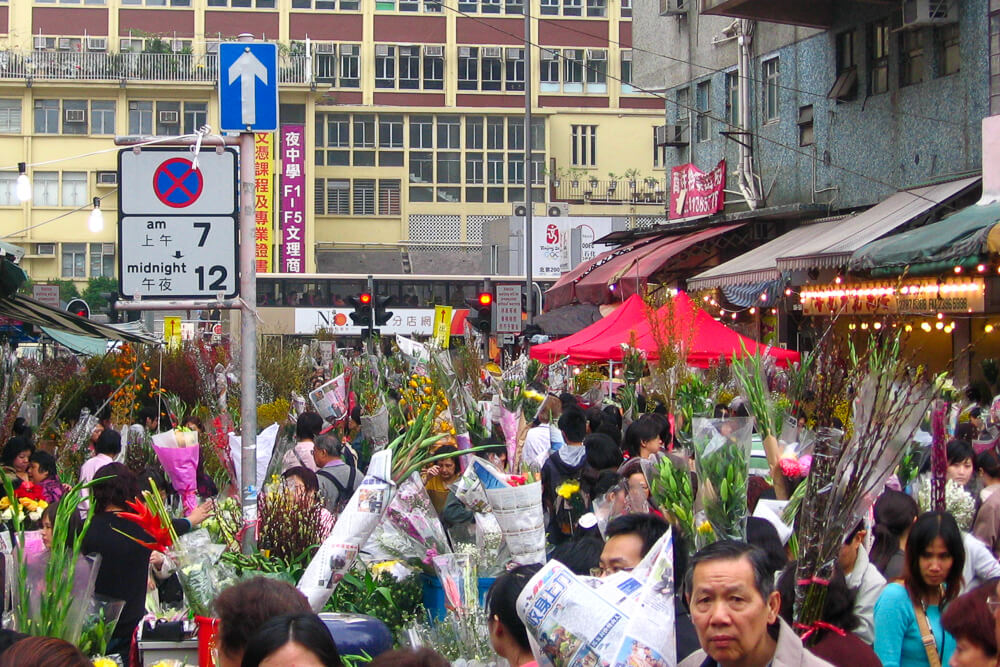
{"points": [[293, 199], [695, 193], [263, 169]]}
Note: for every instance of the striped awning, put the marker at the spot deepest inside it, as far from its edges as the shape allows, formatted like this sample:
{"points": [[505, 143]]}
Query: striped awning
{"points": [[23, 309], [757, 294]]}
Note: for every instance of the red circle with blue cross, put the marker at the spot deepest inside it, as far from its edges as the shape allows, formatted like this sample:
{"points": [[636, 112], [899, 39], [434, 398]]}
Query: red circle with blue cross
{"points": [[177, 183]]}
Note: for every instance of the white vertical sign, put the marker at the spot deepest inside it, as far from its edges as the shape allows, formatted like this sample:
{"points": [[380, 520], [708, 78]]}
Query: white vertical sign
{"points": [[507, 308]]}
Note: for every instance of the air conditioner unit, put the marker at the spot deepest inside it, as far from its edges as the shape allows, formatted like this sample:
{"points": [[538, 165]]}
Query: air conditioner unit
{"points": [[465, 52], [177, 45], [212, 46], [673, 7], [382, 50], [48, 249], [519, 210], [515, 54], [168, 117], [107, 178], [409, 50], [548, 54], [325, 48], [349, 49], [491, 52], [130, 45], [42, 43], [929, 12], [107, 248], [434, 51], [74, 115], [65, 44], [557, 209], [627, 55], [670, 135], [97, 43], [597, 54]]}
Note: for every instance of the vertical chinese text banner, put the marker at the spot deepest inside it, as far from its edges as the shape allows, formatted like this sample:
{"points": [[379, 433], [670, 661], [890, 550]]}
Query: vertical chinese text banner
{"points": [[293, 200], [264, 192]]}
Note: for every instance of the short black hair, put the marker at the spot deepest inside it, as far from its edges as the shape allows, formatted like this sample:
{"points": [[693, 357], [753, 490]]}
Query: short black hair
{"points": [[573, 423], [14, 447], [46, 462], [762, 533], [988, 462], [607, 480], [147, 412], [928, 527], [580, 555], [308, 426], [109, 442], [120, 488], [642, 430], [594, 418], [308, 477], [568, 399], [602, 452], [307, 630], [960, 450], [763, 576], [648, 527], [501, 601]]}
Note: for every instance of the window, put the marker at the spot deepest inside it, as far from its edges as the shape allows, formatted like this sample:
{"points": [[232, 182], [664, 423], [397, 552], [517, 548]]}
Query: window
{"points": [[102, 260], [258, 4], [596, 7], [338, 196], [74, 260], [409, 67], [494, 133], [448, 132], [468, 68], [474, 168], [492, 69], [195, 116], [491, 7], [806, 135], [994, 61], [421, 167], [140, 117], [597, 71], [74, 188], [771, 94], [949, 56], [626, 8], [350, 65], [433, 70], [388, 197], [364, 131], [584, 145], [514, 79], [390, 131], [494, 169], [385, 66], [733, 98], [515, 134], [46, 188], [626, 75], [449, 167], [911, 57], [537, 169], [572, 7], [421, 132], [878, 75], [703, 124], [845, 51], [10, 116], [364, 196], [168, 118], [338, 131], [74, 117], [572, 70], [537, 134], [102, 116], [550, 7], [513, 6], [46, 116], [8, 189], [515, 168], [845, 88], [468, 6], [549, 71], [659, 153], [474, 132], [683, 106]]}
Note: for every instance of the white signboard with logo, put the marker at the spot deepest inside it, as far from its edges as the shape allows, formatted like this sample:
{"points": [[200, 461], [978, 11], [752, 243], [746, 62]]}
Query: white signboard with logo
{"points": [[551, 238], [405, 321]]}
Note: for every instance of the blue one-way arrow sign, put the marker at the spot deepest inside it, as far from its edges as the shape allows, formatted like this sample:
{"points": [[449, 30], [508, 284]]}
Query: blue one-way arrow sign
{"points": [[248, 86]]}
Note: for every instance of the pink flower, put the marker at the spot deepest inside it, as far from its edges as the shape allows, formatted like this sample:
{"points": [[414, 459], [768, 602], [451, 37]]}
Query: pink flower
{"points": [[790, 468]]}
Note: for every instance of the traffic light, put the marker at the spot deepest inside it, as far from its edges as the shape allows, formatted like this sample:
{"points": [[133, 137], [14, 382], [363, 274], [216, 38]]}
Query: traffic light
{"points": [[362, 315], [79, 308], [382, 316], [481, 315], [112, 311]]}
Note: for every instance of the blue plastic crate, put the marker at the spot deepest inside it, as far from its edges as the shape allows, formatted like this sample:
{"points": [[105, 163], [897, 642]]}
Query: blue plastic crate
{"points": [[434, 594]]}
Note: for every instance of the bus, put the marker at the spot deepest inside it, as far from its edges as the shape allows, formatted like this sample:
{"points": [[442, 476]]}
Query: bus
{"points": [[303, 304]]}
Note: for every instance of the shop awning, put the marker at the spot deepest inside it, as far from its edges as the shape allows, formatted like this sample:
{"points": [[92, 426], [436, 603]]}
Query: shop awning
{"points": [[964, 236], [22, 308], [628, 269], [760, 264], [834, 247]]}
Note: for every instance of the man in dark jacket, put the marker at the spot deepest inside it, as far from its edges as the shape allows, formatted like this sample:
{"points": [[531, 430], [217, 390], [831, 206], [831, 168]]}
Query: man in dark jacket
{"points": [[566, 506]]}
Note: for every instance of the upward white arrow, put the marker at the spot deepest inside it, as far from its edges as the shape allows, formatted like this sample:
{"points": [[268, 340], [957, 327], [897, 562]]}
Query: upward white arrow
{"points": [[247, 69]]}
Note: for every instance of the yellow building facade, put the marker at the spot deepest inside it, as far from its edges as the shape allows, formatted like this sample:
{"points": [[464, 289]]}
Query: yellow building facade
{"points": [[412, 110]]}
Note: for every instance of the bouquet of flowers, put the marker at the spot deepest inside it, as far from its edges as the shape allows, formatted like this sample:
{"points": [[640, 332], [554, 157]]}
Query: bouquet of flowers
{"points": [[412, 513], [671, 491], [178, 451], [29, 503], [721, 457], [957, 501], [517, 505]]}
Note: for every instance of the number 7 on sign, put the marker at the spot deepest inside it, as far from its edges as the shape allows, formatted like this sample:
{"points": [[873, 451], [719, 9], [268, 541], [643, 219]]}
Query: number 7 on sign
{"points": [[204, 227]]}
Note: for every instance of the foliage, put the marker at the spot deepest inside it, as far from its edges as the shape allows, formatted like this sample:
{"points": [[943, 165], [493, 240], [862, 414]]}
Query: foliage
{"points": [[589, 377], [671, 491], [281, 370], [94, 293], [275, 412], [672, 338], [290, 520], [363, 591], [265, 564]]}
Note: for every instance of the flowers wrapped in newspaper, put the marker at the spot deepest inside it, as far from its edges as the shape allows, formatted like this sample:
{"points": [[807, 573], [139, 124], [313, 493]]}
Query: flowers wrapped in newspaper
{"points": [[330, 399], [178, 452], [355, 525], [413, 515], [517, 505], [492, 552], [625, 620], [721, 458], [375, 428]]}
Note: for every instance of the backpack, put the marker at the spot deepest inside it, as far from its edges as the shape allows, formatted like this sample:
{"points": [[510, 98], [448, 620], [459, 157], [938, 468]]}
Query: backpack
{"points": [[343, 492]]}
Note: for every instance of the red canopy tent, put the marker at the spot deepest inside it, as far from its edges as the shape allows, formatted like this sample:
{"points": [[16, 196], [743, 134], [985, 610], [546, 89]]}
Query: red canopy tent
{"points": [[709, 340], [627, 316]]}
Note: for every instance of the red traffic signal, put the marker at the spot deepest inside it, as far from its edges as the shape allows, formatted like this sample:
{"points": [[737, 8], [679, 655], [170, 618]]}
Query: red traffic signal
{"points": [[78, 307], [485, 299], [365, 298]]}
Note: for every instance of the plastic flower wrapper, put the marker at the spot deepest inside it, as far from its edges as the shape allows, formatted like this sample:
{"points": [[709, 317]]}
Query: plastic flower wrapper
{"points": [[178, 452], [671, 491], [99, 624], [412, 513], [460, 581], [355, 525], [80, 594], [618, 501], [469, 489], [200, 571], [464, 640], [957, 501], [721, 457]]}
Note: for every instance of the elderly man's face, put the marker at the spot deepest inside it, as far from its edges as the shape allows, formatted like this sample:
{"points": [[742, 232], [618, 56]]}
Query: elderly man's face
{"points": [[730, 615]]}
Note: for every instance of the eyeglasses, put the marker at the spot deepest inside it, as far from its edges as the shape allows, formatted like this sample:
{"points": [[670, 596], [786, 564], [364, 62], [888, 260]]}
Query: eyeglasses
{"points": [[605, 571], [993, 604]]}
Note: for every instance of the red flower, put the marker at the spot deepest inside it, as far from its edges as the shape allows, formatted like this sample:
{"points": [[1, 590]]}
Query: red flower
{"points": [[791, 468], [150, 523], [517, 480], [30, 491]]}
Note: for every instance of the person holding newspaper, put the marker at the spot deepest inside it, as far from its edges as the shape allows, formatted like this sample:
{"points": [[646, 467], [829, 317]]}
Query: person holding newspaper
{"points": [[734, 606]]}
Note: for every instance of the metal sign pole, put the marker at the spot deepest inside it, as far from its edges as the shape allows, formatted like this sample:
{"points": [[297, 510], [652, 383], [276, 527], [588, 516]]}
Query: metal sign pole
{"points": [[248, 336]]}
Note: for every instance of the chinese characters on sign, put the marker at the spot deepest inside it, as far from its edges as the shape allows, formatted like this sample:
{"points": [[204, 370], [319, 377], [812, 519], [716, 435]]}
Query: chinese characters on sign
{"points": [[957, 296], [695, 193], [337, 321], [507, 307], [293, 199], [264, 193]]}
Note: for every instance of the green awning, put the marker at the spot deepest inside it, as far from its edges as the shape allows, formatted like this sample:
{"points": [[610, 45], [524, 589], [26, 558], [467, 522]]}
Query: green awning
{"points": [[81, 344], [961, 238]]}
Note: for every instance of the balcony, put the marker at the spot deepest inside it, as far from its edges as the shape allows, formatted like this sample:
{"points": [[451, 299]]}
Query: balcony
{"points": [[642, 191], [125, 67], [808, 13]]}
